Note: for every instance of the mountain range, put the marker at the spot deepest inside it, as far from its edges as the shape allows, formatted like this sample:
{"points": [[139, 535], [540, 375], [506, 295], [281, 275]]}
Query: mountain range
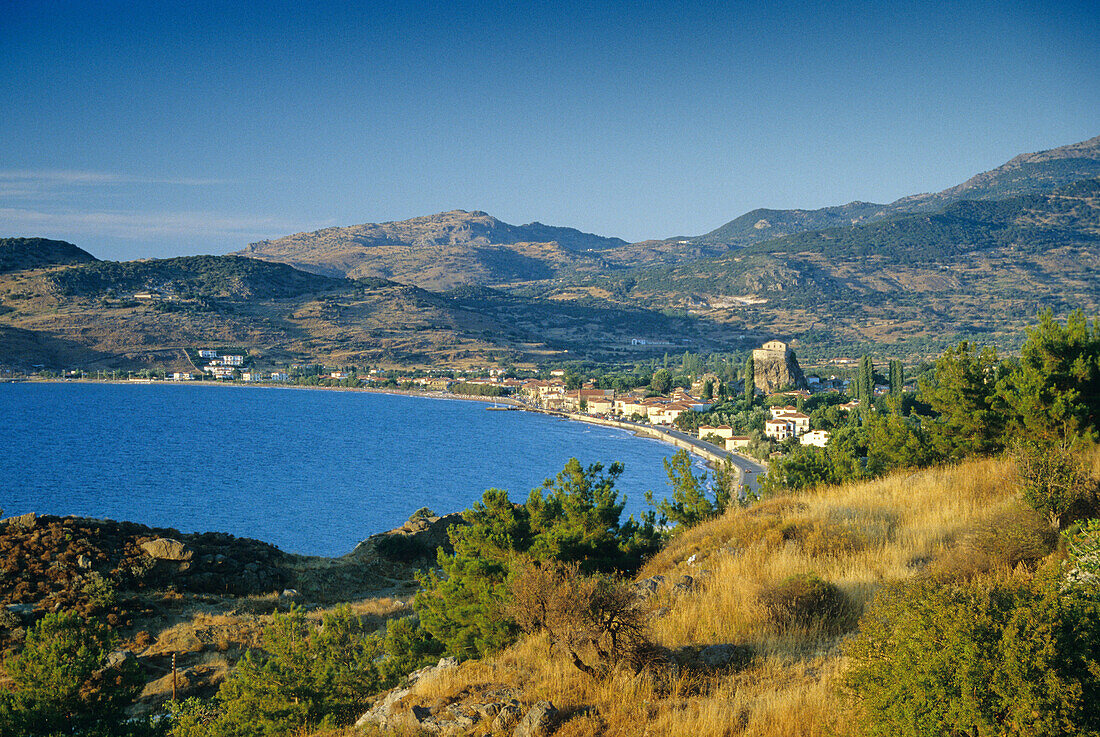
{"points": [[977, 261]]}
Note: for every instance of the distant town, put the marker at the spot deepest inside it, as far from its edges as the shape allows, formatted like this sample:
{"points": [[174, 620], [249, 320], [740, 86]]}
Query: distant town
{"points": [[782, 410]]}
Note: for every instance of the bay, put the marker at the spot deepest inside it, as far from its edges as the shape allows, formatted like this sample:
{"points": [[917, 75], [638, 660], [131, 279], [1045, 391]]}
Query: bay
{"points": [[312, 471]]}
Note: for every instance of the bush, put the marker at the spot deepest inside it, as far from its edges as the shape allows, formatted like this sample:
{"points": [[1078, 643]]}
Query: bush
{"points": [[984, 657], [582, 615], [575, 517], [805, 600], [1056, 482], [307, 675], [64, 684], [1000, 542]]}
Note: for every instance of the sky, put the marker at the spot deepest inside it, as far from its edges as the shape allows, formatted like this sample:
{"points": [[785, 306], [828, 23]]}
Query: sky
{"points": [[154, 129]]}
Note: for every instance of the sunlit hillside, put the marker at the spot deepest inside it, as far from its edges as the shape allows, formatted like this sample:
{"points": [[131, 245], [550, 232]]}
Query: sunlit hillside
{"points": [[743, 658]]}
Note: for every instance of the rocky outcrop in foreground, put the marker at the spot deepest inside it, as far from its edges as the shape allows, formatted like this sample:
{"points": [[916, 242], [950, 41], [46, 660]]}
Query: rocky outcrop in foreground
{"points": [[502, 714]]}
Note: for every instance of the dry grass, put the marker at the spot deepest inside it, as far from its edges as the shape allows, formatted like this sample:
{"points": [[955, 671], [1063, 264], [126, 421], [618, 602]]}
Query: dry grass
{"points": [[856, 536], [954, 520]]}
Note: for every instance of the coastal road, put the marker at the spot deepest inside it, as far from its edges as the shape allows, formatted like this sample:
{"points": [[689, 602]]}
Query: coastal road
{"points": [[750, 469]]}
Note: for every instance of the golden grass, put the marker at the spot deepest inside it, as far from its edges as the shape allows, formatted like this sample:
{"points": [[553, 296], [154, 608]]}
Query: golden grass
{"points": [[857, 536]]}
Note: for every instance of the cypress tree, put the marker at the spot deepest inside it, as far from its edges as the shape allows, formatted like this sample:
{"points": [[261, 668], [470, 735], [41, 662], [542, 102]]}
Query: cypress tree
{"points": [[897, 377], [750, 380]]}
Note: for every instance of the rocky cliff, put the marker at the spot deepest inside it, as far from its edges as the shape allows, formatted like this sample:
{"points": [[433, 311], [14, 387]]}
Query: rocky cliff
{"points": [[775, 367]]}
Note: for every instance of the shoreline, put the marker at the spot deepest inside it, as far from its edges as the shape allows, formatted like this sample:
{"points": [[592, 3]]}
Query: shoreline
{"points": [[647, 432]]}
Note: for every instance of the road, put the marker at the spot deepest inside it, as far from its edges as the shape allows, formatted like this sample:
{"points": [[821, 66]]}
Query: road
{"points": [[750, 469]]}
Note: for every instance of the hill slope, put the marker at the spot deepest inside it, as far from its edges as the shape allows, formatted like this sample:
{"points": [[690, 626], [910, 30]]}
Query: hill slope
{"points": [[439, 251], [18, 254], [974, 267], [747, 660], [1039, 173]]}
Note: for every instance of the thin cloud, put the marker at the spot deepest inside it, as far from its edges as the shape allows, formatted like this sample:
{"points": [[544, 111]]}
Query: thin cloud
{"points": [[146, 226], [71, 177]]}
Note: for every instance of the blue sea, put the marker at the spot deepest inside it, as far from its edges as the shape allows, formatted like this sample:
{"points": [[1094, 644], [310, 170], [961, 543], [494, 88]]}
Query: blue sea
{"points": [[312, 471]]}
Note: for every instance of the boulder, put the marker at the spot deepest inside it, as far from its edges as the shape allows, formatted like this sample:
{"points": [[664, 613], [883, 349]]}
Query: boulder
{"points": [[28, 520], [508, 715], [165, 548], [538, 721]]}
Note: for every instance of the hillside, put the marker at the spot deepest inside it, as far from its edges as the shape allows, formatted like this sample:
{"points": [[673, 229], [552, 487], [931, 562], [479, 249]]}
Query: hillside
{"points": [[18, 254], [194, 276], [745, 657], [439, 251], [910, 282], [89, 317]]}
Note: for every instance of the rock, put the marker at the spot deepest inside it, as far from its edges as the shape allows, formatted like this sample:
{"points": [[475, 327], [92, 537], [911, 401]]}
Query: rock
{"points": [[508, 715], [684, 584], [119, 658], [165, 548], [490, 710], [447, 663], [649, 586], [28, 520], [421, 714], [776, 367], [538, 721], [382, 711], [720, 656], [23, 610]]}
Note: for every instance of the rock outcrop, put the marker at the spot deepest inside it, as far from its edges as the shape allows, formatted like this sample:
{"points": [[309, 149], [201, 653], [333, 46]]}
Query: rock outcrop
{"points": [[775, 367], [165, 548], [418, 538], [499, 711]]}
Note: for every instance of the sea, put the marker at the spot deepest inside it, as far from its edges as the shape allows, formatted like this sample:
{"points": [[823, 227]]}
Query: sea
{"points": [[312, 471]]}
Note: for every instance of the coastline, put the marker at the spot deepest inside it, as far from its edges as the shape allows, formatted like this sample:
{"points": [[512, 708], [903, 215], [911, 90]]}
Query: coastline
{"points": [[647, 431]]}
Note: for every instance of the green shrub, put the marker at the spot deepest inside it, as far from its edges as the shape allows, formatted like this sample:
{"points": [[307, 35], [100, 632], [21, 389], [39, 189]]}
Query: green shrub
{"points": [[63, 685], [307, 675], [1056, 482], [982, 657], [806, 600], [575, 517]]}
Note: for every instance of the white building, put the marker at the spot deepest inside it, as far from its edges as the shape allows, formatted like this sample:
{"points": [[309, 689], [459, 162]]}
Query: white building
{"points": [[233, 360], [779, 429], [207, 353], [819, 438]]}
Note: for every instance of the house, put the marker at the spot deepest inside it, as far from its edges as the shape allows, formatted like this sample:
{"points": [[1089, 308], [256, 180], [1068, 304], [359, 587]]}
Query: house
{"points": [[250, 376], [779, 429], [601, 406], [220, 372], [338, 375], [799, 421], [736, 442], [182, 376], [279, 376], [558, 372], [849, 406], [233, 360], [722, 431], [207, 353], [819, 438]]}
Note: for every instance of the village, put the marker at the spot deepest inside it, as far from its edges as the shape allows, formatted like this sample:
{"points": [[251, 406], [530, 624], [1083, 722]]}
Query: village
{"points": [[780, 389]]}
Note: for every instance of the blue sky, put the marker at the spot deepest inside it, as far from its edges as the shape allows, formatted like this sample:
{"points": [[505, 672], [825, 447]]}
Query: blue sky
{"points": [[142, 129]]}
